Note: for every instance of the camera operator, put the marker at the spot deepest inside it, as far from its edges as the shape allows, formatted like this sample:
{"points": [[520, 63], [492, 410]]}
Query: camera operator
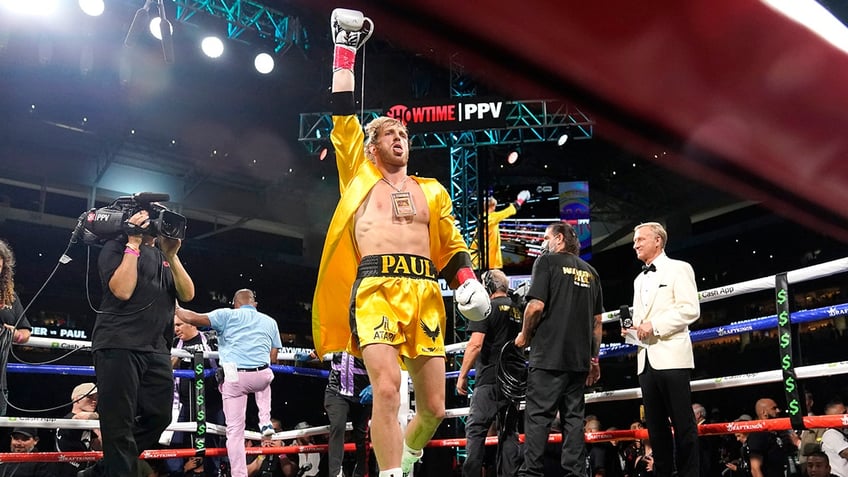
{"points": [[132, 342]]}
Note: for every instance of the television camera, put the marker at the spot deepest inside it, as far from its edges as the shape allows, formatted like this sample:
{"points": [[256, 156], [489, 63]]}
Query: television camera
{"points": [[106, 223]]}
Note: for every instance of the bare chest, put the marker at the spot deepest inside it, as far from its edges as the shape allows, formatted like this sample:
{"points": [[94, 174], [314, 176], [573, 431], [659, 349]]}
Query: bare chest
{"points": [[392, 221]]}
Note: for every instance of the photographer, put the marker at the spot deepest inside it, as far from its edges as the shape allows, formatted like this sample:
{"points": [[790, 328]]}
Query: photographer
{"points": [[132, 341]]}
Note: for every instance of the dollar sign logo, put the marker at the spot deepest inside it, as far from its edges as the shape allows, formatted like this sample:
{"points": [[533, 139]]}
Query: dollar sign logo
{"points": [[790, 384], [781, 297], [783, 318], [201, 429], [794, 407], [784, 340], [786, 361]]}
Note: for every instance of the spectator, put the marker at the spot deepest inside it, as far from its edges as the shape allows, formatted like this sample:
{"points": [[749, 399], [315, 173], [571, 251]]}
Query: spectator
{"points": [[84, 398], [24, 439], [708, 446], [267, 465], [834, 442], [818, 465], [16, 327], [602, 458], [769, 452], [308, 462]]}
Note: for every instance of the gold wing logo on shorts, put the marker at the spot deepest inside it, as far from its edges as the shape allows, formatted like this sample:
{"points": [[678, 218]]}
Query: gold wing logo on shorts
{"points": [[432, 334]]}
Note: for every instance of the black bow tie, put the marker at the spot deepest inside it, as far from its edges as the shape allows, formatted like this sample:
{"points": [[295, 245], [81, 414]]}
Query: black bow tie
{"points": [[651, 268]]}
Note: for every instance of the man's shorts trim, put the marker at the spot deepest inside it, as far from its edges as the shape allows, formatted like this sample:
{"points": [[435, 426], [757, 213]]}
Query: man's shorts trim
{"points": [[397, 265]]}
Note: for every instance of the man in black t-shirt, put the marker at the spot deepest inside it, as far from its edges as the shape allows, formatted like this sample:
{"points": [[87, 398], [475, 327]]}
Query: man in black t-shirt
{"points": [[769, 452], [563, 320], [132, 343], [488, 404]]}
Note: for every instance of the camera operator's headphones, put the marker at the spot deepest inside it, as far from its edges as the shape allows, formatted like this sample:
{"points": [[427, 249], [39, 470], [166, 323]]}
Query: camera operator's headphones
{"points": [[489, 283]]}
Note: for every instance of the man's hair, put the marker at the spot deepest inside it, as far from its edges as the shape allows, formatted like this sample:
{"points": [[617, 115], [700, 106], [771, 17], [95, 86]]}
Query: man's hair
{"points": [[657, 229], [7, 275], [819, 453], [498, 280], [373, 128], [572, 243], [833, 403], [699, 410]]}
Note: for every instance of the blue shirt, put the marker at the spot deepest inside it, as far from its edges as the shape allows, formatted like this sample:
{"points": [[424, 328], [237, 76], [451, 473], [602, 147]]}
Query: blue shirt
{"points": [[245, 336]]}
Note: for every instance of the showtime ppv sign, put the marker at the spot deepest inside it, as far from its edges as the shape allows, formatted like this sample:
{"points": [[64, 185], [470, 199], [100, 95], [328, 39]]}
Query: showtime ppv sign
{"points": [[457, 116]]}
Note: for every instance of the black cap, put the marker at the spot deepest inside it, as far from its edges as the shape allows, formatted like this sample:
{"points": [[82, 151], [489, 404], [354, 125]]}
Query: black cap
{"points": [[27, 431]]}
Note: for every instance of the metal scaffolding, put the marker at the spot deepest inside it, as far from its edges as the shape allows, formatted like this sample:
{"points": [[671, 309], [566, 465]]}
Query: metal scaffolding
{"points": [[246, 15]]}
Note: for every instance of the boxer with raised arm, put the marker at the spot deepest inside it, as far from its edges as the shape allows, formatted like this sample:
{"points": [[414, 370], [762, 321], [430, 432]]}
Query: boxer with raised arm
{"points": [[391, 235]]}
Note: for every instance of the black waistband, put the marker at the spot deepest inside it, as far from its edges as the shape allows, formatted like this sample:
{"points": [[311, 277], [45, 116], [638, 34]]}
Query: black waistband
{"points": [[397, 265], [259, 368]]}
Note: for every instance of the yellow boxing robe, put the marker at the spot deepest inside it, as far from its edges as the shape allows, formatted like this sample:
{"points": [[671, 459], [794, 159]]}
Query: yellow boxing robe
{"points": [[340, 257]]}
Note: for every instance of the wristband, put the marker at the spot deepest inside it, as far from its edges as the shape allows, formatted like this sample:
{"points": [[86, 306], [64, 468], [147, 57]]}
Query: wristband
{"points": [[132, 251], [344, 58], [594, 360], [464, 274]]}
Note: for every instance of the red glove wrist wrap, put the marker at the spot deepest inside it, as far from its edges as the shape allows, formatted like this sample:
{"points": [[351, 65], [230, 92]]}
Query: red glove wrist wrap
{"points": [[465, 274], [344, 57]]}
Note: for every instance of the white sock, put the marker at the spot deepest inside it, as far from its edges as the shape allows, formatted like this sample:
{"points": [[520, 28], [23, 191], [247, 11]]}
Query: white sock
{"points": [[410, 451], [391, 472]]}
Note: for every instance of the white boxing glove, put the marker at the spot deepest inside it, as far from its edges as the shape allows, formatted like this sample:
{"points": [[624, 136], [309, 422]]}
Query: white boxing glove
{"points": [[522, 197], [473, 300], [350, 28]]}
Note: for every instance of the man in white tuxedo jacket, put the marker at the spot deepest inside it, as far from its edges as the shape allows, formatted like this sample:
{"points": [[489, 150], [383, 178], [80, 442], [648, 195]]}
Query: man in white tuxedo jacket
{"points": [[665, 303]]}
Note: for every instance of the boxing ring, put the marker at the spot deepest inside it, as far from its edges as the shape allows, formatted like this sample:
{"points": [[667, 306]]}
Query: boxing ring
{"points": [[788, 374]]}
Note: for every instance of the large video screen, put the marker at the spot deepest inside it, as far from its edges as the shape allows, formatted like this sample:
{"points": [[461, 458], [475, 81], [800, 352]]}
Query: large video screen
{"points": [[523, 233]]}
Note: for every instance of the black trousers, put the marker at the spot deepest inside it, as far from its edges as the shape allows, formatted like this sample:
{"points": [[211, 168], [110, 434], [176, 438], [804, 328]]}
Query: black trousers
{"points": [[488, 406], [550, 391], [135, 393], [339, 409], [667, 395]]}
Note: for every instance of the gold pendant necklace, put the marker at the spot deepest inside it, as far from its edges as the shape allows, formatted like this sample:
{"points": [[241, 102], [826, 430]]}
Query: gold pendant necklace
{"points": [[403, 208]]}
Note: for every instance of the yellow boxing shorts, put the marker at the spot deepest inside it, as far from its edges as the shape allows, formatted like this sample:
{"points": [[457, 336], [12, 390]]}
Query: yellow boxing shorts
{"points": [[396, 300]]}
